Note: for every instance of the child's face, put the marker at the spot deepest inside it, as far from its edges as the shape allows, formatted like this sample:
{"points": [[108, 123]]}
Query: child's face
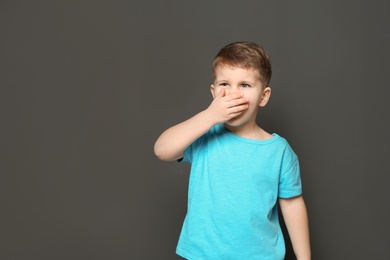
{"points": [[247, 82]]}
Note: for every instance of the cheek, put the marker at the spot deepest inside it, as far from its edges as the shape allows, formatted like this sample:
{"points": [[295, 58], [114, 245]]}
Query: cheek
{"points": [[218, 91], [215, 92], [228, 91]]}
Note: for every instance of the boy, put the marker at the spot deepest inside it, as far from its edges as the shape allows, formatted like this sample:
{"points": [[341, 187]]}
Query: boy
{"points": [[239, 172]]}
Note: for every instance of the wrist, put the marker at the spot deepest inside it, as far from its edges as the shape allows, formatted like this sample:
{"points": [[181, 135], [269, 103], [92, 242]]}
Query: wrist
{"points": [[209, 118]]}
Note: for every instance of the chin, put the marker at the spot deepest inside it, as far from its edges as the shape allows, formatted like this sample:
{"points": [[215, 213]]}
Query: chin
{"points": [[241, 120], [235, 122]]}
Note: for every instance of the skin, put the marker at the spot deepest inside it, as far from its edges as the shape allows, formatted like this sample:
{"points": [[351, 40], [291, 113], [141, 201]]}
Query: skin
{"points": [[237, 95], [296, 220], [247, 83]]}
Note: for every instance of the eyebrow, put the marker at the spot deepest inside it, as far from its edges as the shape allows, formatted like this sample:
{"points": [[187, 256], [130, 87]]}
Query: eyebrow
{"points": [[247, 82], [219, 81], [240, 82]]}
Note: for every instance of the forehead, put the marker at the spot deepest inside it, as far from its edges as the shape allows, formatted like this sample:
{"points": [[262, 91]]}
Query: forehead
{"points": [[237, 73]]}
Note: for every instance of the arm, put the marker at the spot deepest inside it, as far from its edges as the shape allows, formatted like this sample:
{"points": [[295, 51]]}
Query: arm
{"points": [[295, 216], [171, 144]]}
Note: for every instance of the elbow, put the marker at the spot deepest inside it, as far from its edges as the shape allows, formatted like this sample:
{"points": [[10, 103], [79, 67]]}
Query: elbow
{"points": [[159, 153], [164, 154]]}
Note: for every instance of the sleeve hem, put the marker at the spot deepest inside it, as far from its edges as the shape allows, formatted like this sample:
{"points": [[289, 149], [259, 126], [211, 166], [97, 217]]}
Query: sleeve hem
{"points": [[289, 194]]}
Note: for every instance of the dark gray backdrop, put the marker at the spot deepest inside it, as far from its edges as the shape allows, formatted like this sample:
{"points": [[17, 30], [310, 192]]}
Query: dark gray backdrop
{"points": [[87, 87]]}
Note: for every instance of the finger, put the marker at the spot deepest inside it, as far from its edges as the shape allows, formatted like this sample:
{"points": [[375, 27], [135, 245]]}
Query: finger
{"points": [[234, 96], [238, 109], [222, 93], [237, 102]]}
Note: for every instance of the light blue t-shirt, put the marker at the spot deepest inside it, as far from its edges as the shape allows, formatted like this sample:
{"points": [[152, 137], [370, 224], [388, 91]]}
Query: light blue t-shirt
{"points": [[232, 197]]}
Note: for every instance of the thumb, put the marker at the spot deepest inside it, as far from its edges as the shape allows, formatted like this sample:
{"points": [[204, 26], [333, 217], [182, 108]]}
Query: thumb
{"points": [[222, 93]]}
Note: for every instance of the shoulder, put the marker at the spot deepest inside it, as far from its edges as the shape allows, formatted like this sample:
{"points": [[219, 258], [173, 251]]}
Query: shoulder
{"points": [[281, 141], [289, 157]]}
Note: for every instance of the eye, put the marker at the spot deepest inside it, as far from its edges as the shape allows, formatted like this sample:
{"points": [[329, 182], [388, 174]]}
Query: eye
{"points": [[223, 84], [244, 85]]}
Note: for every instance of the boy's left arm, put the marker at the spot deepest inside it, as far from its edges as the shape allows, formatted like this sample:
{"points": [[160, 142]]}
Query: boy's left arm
{"points": [[296, 220]]}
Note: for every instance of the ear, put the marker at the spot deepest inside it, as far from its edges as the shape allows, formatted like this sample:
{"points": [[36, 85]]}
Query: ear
{"points": [[212, 89], [265, 97]]}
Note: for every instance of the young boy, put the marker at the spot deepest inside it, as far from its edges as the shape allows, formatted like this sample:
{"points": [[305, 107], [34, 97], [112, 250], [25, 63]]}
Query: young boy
{"points": [[239, 172]]}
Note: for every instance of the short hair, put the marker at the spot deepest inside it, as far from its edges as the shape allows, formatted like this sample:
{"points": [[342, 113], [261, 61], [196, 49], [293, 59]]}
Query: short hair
{"points": [[246, 55]]}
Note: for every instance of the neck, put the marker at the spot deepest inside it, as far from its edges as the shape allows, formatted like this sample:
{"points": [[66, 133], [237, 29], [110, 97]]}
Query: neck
{"points": [[251, 131]]}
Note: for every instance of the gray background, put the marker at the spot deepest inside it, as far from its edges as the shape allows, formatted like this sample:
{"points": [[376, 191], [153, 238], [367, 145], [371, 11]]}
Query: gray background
{"points": [[87, 87]]}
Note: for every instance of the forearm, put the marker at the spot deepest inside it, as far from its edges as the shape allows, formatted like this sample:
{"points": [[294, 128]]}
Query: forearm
{"points": [[171, 144], [296, 220]]}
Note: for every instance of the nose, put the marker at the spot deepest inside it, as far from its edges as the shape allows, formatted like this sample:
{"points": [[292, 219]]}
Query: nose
{"points": [[233, 90]]}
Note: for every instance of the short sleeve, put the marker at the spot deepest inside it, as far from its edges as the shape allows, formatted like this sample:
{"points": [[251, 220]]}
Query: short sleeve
{"points": [[290, 180], [194, 149]]}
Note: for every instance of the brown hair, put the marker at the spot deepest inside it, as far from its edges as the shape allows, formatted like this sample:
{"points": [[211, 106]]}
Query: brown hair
{"points": [[246, 55]]}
